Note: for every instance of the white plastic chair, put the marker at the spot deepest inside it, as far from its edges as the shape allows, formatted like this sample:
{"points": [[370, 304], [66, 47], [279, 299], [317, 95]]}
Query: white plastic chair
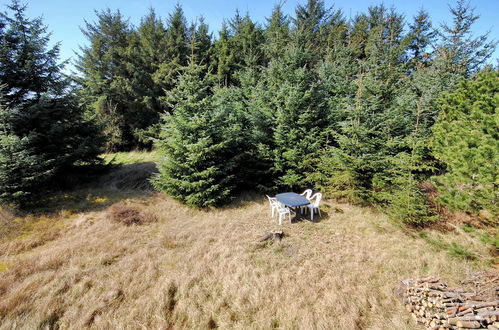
{"points": [[273, 203], [307, 193], [282, 211], [313, 206]]}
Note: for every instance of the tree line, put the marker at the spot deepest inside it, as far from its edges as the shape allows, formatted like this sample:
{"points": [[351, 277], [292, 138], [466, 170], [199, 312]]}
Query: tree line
{"points": [[365, 109]]}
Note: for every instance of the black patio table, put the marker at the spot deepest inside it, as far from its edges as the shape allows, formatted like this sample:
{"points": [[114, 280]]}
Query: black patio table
{"points": [[292, 200]]}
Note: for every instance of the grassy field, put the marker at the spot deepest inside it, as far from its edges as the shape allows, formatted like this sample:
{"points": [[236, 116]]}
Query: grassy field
{"points": [[71, 266]]}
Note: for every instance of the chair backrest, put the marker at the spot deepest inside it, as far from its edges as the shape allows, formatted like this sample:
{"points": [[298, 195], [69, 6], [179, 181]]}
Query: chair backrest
{"points": [[272, 200], [317, 197], [280, 207], [307, 193]]}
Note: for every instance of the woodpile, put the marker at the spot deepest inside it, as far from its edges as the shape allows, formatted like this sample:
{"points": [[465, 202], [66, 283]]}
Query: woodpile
{"points": [[435, 305]]}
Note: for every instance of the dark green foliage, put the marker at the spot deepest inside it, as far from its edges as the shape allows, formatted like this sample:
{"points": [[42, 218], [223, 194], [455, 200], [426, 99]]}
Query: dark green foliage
{"points": [[103, 69], [346, 105], [276, 34], [146, 50], [198, 143], [43, 133], [298, 104], [200, 43], [466, 140], [28, 67], [463, 53], [23, 170]]}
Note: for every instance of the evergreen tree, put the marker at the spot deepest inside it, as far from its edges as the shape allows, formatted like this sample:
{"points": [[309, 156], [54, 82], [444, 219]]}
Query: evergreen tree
{"points": [[200, 42], [239, 46], [310, 23], [421, 37], [466, 140], [146, 50], [199, 156], [176, 37], [463, 53], [105, 80], [300, 114], [177, 50], [28, 67], [276, 34], [224, 56], [23, 170], [43, 133]]}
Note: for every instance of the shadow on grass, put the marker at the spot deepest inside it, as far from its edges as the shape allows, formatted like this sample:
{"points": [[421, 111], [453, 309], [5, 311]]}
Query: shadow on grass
{"points": [[117, 183]]}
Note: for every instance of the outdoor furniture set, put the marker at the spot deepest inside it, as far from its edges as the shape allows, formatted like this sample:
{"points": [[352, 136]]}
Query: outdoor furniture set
{"points": [[290, 202]]}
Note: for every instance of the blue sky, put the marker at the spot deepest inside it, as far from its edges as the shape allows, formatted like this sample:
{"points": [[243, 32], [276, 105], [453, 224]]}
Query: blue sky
{"points": [[64, 17]]}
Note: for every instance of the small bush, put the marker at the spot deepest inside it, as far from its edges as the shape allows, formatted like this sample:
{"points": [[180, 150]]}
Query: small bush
{"points": [[128, 215]]}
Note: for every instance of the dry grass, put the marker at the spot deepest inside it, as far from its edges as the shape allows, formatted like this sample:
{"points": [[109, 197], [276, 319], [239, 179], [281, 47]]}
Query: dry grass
{"points": [[203, 269], [125, 214]]}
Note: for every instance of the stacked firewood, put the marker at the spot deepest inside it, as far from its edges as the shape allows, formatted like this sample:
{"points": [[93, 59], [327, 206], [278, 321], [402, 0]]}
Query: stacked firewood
{"points": [[437, 306]]}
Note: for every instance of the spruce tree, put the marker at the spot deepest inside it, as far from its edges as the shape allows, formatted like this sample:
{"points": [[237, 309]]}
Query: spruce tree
{"points": [[197, 143], [276, 34], [300, 112], [43, 133], [463, 53], [28, 67], [224, 57], [102, 67], [145, 52], [200, 43], [177, 50]]}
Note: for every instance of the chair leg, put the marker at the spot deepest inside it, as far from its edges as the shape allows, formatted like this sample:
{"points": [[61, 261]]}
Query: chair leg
{"points": [[272, 211], [312, 214], [319, 212], [280, 219]]}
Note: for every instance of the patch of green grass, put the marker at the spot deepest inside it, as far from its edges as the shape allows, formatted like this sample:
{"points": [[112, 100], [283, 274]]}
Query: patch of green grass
{"points": [[460, 251], [131, 157], [484, 237], [468, 228], [454, 249], [488, 239]]}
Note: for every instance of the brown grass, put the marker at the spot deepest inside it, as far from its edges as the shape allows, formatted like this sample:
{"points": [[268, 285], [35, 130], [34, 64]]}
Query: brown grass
{"points": [[125, 214], [204, 269], [195, 269]]}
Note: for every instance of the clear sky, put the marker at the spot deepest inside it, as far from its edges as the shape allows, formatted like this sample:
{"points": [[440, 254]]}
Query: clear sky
{"points": [[65, 17]]}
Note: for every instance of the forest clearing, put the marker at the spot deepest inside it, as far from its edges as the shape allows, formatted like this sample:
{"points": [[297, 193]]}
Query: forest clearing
{"points": [[302, 165], [75, 267]]}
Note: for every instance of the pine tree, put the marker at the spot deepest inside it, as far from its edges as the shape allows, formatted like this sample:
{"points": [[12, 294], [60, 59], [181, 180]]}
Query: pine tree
{"points": [[466, 140], [199, 156]]}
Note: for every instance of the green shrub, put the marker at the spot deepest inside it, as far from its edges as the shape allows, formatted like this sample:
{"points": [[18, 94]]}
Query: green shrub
{"points": [[466, 141]]}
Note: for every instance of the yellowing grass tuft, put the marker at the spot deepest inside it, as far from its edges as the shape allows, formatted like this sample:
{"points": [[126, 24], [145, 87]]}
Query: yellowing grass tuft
{"points": [[130, 157], [203, 269]]}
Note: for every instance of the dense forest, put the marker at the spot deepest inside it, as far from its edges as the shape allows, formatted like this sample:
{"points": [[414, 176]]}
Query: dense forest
{"points": [[375, 109]]}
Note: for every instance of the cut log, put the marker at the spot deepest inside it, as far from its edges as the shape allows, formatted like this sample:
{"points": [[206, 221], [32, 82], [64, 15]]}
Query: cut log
{"points": [[469, 324]]}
